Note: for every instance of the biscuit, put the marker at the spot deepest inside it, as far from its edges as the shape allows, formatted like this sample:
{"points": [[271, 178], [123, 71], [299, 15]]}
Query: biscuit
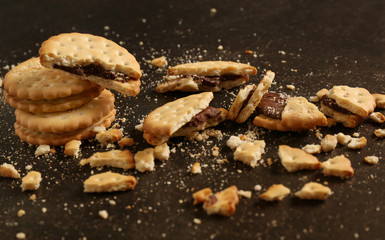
{"points": [[294, 159], [31, 81], [109, 182], [223, 202], [31, 181], [172, 119], [57, 139], [313, 191], [95, 58], [338, 166], [8, 170], [298, 114], [250, 152], [348, 105], [68, 121], [256, 97], [212, 68], [53, 105], [276, 192], [380, 100], [115, 158]]}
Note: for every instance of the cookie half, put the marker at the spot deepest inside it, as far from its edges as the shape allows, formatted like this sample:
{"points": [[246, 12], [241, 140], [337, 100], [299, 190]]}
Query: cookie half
{"points": [[68, 121], [95, 58], [206, 76], [181, 117]]}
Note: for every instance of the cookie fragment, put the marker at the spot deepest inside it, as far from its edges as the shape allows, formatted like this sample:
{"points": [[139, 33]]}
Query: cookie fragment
{"points": [[276, 192], [294, 159], [110, 136], [114, 158], [380, 100], [109, 182], [223, 202], [343, 139], [31, 181], [72, 148], [250, 152], [377, 117], [379, 133], [357, 143], [372, 159], [196, 168], [312, 148], [145, 160], [328, 143], [162, 152], [338, 166], [159, 62], [313, 191], [8, 170]]}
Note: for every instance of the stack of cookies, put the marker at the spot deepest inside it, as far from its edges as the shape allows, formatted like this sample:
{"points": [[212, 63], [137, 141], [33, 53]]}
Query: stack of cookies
{"points": [[66, 100]]}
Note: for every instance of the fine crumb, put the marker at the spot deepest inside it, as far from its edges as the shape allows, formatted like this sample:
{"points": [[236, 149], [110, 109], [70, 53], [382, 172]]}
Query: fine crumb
{"points": [[248, 51], [139, 127], [20, 213], [245, 194], [371, 159], [196, 168], [290, 87], [197, 221], [42, 150], [220, 47], [257, 188], [215, 151], [20, 235], [103, 214], [32, 197], [159, 62]]}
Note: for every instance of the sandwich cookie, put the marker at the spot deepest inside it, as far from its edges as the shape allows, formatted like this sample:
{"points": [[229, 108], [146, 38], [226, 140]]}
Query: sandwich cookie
{"points": [[95, 58], [207, 76], [182, 117], [34, 88], [348, 105], [249, 97]]}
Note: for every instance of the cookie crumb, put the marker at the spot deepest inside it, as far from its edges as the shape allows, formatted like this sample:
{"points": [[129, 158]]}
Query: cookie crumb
{"points": [[377, 117], [162, 152], [8, 170], [257, 188], [343, 139], [248, 51], [109, 136], [20, 235], [290, 87], [220, 47], [31, 181], [197, 221], [313, 191], [144, 160], [42, 150], [103, 214], [357, 143], [338, 166], [379, 133], [126, 141], [328, 143], [159, 62], [314, 99], [20, 213], [276, 192], [196, 168], [245, 194], [312, 148], [371, 159], [72, 148]]}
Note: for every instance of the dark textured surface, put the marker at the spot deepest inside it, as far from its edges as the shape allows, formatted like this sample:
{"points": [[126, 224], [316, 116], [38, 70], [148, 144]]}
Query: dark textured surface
{"points": [[310, 44]]}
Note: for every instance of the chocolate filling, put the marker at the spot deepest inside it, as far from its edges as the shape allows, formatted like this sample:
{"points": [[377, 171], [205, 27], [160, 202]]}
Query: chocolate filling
{"points": [[95, 70], [331, 103], [272, 105], [213, 81], [203, 116]]}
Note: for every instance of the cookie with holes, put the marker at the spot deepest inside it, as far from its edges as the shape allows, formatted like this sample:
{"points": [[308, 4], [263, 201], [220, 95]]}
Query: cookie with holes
{"points": [[182, 117], [348, 105], [95, 58], [33, 88], [206, 76]]}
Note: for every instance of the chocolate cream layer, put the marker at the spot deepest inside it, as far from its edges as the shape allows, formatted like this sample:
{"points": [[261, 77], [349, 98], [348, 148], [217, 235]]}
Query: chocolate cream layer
{"points": [[331, 103], [272, 105], [203, 116], [213, 81]]}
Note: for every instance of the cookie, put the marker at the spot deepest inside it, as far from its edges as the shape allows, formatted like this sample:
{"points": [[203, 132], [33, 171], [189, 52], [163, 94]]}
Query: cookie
{"points": [[295, 159], [53, 105], [256, 97], [206, 76], [68, 121], [109, 182], [31, 81], [114, 158], [57, 139], [348, 105], [95, 58], [297, 114], [181, 117]]}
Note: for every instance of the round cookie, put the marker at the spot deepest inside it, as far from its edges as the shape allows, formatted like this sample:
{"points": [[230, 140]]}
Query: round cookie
{"points": [[30, 80], [54, 105], [68, 121], [57, 139]]}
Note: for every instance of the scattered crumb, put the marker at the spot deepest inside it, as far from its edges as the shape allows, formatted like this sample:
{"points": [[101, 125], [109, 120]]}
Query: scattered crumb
{"points": [[233, 142], [20, 235], [103, 214], [343, 139], [220, 47], [109, 136], [338, 166], [31, 181], [32, 197], [42, 150], [313, 191], [197, 221], [379, 133], [377, 117], [250, 152], [312, 148], [139, 127], [144, 160], [248, 51], [162, 152], [72, 148], [8, 170], [290, 87], [276, 192], [245, 194], [357, 143], [126, 141], [159, 62], [196, 168], [371, 159], [215, 151], [328, 143], [356, 134], [257, 188], [20, 213]]}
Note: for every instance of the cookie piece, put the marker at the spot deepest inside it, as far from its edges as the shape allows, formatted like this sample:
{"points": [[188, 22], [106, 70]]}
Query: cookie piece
{"points": [[68, 121], [357, 143], [109, 182], [201, 195], [377, 117], [379, 132], [162, 152], [145, 160], [72, 148], [338, 166], [380, 100], [53, 105], [95, 58], [8, 170], [31, 181], [294, 159], [328, 143], [114, 158], [110, 136], [242, 96], [57, 139], [348, 105], [312, 148], [313, 191], [223, 202], [297, 114], [372, 159], [31, 81], [250, 152], [276, 192], [255, 98], [182, 117]]}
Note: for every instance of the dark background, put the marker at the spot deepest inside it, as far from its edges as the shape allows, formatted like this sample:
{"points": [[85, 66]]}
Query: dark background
{"points": [[310, 44]]}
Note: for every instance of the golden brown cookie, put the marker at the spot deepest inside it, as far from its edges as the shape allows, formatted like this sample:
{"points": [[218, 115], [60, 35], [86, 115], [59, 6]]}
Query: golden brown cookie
{"points": [[95, 58]]}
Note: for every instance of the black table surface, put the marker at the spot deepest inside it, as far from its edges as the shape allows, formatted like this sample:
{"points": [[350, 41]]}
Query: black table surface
{"points": [[309, 44]]}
